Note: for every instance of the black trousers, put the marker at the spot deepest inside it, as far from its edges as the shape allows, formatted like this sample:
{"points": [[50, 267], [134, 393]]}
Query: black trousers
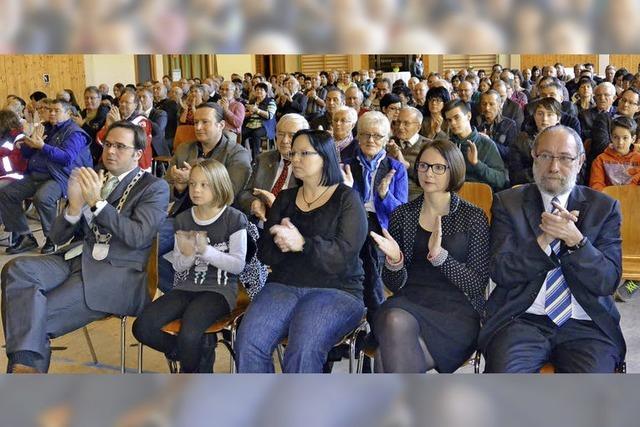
{"points": [[198, 311], [530, 341], [254, 137]]}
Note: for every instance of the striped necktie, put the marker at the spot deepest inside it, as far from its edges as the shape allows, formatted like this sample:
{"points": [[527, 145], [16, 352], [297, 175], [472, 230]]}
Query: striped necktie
{"points": [[557, 297]]}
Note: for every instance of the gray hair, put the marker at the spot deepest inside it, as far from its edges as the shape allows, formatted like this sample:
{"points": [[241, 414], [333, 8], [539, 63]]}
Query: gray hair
{"points": [[293, 117], [608, 86], [416, 113], [352, 114], [371, 117], [560, 128]]}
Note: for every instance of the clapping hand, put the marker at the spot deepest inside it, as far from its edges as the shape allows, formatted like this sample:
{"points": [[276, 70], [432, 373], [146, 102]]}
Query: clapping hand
{"points": [[387, 245], [186, 242], [560, 225], [266, 196], [36, 140], [347, 176], [472, 153], [385, 182], [201, 241], [90, 184], [259, 210], [74, 194], [287, 237], [113, 115]]}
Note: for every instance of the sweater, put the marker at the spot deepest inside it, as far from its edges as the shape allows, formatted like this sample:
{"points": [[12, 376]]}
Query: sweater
{"points": [[612, 168]]}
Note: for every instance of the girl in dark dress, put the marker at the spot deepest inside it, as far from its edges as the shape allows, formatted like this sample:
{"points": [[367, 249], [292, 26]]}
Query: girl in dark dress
{"points": [[437, 265]]}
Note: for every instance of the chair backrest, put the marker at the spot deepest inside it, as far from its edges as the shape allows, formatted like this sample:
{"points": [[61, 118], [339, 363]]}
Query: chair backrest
{"points": [[152, 268], [629, 198], [479, 194]]}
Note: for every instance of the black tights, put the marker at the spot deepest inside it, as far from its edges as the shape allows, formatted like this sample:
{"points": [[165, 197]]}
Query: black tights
{"points": [[401, 349], [198, 311]]}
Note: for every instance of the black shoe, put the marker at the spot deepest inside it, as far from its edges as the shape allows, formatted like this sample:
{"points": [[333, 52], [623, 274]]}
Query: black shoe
{"points": [[23, 243], [48, 247]]}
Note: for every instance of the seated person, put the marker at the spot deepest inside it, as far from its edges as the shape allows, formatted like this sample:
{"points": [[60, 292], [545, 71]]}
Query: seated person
{"points": [[556, 261], [547, 113], [272, 171], [620, 162], [381, 182], [343, 121], [210, 250], [501, 130], [53, 151], [437, 264], [103, 271], [260, 114], [483, 161], [311, 241]]}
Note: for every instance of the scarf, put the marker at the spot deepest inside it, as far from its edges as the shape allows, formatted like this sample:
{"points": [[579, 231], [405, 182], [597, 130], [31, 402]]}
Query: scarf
{"points": [[369, 168]]}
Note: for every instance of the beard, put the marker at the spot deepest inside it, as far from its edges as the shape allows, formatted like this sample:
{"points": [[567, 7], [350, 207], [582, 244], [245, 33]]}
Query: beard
{"points": [[555, 187]]}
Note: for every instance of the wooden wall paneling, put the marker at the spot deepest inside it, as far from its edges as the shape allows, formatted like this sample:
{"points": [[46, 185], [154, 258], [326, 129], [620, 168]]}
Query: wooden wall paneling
{"points": [[630, 62], [528, 61], [22, 75]]}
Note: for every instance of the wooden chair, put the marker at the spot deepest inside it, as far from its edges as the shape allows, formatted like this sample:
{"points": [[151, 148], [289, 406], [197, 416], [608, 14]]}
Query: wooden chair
{"points": [[152, 286], [184, 133], [479, 194], [230, 323], [629, 198]]}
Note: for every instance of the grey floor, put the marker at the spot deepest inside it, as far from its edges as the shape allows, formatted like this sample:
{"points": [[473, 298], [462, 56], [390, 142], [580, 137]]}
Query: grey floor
{"points": [[105, 335]]}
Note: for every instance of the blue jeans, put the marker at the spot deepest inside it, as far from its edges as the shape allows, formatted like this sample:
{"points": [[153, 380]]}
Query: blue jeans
{"points": [[314, 319], [165, 245]]}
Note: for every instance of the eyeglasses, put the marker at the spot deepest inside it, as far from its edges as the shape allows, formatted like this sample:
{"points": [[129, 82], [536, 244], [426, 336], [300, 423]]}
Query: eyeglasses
{"points": [[436, 100], [118, 146], [365, 136], [437, 168], [281, 135], [302, 154], [341, 121], [564, 160], [406, 124]]}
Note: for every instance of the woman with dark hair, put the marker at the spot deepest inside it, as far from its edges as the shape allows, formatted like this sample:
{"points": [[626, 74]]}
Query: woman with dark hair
{"points": [[312, 239], [584, 95], [484, 85], [536, 72], [433, 124], [259, 119], [437, 265], [118, 88], [93, 118], [390, 105]]}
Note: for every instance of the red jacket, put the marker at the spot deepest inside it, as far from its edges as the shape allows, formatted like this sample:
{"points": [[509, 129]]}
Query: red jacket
{"points": [[12, 164]]}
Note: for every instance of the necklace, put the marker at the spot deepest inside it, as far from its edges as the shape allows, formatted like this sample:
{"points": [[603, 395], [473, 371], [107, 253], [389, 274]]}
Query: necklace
{"points": [[314, 200]]}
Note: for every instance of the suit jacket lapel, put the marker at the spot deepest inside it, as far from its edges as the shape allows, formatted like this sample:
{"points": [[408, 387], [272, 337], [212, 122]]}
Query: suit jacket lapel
{"points": [[577, 202], [533, 207], [119, 190]]}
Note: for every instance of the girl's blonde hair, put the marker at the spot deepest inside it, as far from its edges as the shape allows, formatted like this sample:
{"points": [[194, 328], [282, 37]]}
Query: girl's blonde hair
{"points": [[218, 179]]}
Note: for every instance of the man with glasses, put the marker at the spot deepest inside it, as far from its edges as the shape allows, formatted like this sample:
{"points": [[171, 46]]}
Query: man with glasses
{"points": [[53, 151], [406, 145], [112, 218], [556, 261], [628, 106], [604, 96], [481, 156], [232, 111], [272, 171]]}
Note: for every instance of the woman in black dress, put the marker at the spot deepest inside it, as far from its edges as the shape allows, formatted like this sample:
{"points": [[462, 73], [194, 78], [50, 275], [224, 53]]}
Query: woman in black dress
{"points": [[437, 265]]}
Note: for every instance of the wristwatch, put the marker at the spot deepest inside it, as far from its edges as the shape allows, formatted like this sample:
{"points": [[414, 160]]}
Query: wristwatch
{"points": [[578, 245]]}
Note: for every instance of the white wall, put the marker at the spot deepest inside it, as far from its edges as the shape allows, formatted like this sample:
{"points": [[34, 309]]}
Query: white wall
{"points": [[109, 69]]}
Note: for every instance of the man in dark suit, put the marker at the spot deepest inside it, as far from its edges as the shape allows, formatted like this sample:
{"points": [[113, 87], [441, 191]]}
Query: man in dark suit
{"points": [[556, 261], [510, 108], [103, 271], [604, 95], [170, 107], [271, 172], [158, 120]]}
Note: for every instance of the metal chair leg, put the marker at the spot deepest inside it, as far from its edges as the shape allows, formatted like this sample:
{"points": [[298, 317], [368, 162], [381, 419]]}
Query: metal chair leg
{"points": [[140, 347], [123, 342], [92, 350]]}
